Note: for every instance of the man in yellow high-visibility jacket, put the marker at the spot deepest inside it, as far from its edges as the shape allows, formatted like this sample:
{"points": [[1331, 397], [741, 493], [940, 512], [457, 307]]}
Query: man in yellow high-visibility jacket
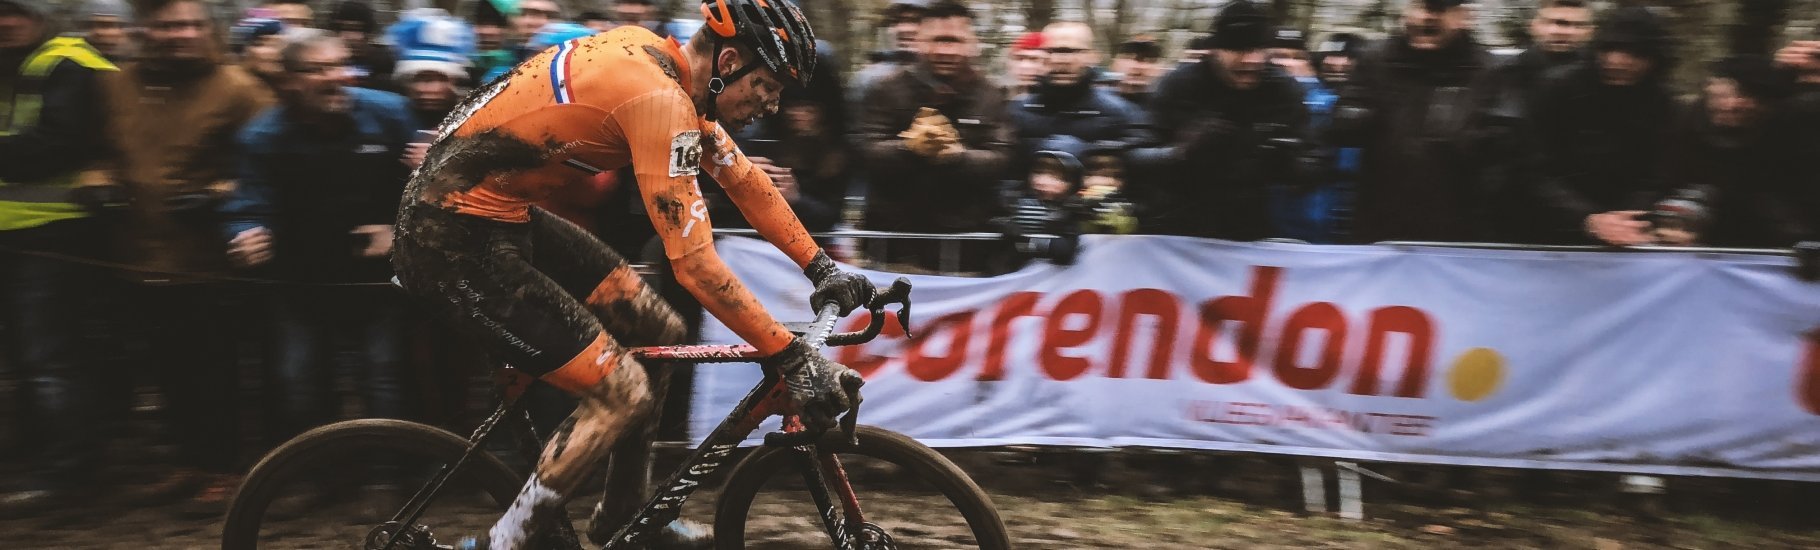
{"points": [[51, 128]]}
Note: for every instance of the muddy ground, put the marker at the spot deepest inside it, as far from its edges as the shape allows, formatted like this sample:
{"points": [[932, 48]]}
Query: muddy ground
{"points": [[1141, 500]]}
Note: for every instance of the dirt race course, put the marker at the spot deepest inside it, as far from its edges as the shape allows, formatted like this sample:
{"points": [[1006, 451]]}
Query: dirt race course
{"points": [[1129, 506]]}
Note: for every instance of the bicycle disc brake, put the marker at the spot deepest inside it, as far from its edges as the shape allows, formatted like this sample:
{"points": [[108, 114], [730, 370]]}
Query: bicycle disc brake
{"points": [[870, 536], [413, 538]]}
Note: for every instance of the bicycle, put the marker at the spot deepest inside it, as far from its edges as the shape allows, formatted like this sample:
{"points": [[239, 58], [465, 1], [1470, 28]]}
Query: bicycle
{"points": [[467, 475]]}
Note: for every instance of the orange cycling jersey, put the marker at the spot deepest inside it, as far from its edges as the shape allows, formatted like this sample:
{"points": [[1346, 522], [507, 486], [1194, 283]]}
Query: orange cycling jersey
{"points": [[596, 104]]}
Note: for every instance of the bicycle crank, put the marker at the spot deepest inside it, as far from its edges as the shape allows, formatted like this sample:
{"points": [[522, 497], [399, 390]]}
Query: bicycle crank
{"points": [[413, 538], [870, 536]]}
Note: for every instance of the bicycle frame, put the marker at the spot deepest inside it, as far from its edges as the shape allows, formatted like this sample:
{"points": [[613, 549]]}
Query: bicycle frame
{"points": [[769, 398]]}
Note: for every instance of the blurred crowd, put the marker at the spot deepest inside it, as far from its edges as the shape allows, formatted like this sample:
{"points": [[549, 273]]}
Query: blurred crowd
{"points": [[175, 184]]}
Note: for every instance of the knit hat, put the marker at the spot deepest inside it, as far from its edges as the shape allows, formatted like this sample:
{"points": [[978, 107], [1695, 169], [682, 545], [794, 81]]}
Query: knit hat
{"points": [[1241, 25], [1032, 40], [1633, 29], [1344, 43], [1289, 37], [440, 44], [356, 11], [108, 8], [250, 30]]}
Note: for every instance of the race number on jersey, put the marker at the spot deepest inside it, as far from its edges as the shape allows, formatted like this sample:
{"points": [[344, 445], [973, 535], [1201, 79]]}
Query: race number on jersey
{"points": [[685, 154]]}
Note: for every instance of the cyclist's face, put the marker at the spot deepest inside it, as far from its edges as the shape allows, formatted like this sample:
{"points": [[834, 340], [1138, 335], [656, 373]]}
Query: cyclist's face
{"points": [[749, 98]]}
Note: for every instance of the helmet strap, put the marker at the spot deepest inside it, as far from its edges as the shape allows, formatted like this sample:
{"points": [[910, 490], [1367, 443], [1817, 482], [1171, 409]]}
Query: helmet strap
{"points": [[718, 83]]}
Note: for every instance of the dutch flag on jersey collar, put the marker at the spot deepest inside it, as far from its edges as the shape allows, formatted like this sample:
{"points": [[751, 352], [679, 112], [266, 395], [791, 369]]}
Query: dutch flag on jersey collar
{"points": [[559, 72]]}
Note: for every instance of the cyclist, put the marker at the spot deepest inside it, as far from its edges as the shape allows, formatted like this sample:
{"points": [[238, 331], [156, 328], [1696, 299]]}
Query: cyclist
{"points": [[537, 290]]}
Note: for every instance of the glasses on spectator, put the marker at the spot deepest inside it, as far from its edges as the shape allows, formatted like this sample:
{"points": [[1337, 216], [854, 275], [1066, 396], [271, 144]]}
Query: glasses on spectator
{"points": [[316, 69], [534, 11], [1064, 50]]}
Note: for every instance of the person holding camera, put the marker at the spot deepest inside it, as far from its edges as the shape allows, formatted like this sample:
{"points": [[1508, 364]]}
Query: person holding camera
{"points": [[1602, 132], [1233, 125], [1415, 107], [173, 117]]}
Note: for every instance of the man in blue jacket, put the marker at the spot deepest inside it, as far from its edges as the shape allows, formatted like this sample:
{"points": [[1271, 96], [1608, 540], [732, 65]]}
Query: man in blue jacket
{"points": [[320, 180]]}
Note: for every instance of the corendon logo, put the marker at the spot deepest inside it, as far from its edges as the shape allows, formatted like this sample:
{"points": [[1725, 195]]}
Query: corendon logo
{"points": [[1809, 385], [1077, 318]]}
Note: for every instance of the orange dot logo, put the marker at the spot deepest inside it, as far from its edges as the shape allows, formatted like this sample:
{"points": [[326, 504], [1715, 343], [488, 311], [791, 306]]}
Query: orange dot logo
{"points": [[1476, 374]]}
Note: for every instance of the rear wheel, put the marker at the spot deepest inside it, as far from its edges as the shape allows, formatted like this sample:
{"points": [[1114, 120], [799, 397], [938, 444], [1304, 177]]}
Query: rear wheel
{"points": [[917, 497], [337, 486]]}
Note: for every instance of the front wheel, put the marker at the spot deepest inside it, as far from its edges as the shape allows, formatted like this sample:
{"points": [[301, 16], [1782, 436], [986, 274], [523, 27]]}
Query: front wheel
{"points": [[919, 498]]}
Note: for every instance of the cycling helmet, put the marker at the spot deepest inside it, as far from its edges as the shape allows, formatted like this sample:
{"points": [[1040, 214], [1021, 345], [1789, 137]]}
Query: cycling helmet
{"points": [[775, 29]]}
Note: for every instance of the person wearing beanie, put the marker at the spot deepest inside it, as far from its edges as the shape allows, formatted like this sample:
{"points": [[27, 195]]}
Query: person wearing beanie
{"points": [[1066, 103], [50, 135], [1024, 64], [1139, 62], [1233, 125], [1195, 49], [432, 70], [1603, 127], [1415, 108], [1737, 175], [103, 25], [255, 43], [1335, 57]]}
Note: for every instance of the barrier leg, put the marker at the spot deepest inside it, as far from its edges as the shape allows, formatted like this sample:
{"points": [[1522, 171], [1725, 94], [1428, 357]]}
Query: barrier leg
{"points": [[1314, 489], [1352, 498]]}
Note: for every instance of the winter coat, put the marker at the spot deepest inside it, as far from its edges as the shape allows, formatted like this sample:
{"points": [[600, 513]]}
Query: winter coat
{"points": [[1598, 148], [311, 190], [1418, 118], [912, 193], [1086, 113], [174, 131], [1750, 177], [1222, 150]]}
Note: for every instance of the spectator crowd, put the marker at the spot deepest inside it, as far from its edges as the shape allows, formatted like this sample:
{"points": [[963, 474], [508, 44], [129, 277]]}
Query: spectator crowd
{"points": [[153, 154]]}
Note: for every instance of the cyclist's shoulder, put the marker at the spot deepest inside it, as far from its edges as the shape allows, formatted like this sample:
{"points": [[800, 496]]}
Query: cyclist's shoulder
{"points": [[625, 64]]}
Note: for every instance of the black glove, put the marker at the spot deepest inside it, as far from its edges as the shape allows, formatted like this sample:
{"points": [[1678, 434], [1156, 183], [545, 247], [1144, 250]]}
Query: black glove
{"points": [[821, 389], [98, 199], [832, 285]]}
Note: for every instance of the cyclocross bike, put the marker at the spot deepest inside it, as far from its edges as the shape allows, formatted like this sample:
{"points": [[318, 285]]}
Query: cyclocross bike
{"points": [[286, 499]]}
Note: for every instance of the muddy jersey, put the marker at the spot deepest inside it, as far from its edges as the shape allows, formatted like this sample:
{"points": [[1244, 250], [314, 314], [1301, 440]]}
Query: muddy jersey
{"points": [[597, 104]]}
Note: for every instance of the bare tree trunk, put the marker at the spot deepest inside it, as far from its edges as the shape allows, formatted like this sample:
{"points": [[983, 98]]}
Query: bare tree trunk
{"points": [[1121, 23], [1038, 14]]}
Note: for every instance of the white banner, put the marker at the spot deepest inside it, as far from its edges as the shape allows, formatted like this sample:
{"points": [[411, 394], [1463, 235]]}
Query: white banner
{"points": [[1668, 363]]}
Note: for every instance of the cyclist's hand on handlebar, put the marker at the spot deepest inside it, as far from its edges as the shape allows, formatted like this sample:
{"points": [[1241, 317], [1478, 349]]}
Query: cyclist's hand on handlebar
{"points": [[820, 389], [834, 285]]}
